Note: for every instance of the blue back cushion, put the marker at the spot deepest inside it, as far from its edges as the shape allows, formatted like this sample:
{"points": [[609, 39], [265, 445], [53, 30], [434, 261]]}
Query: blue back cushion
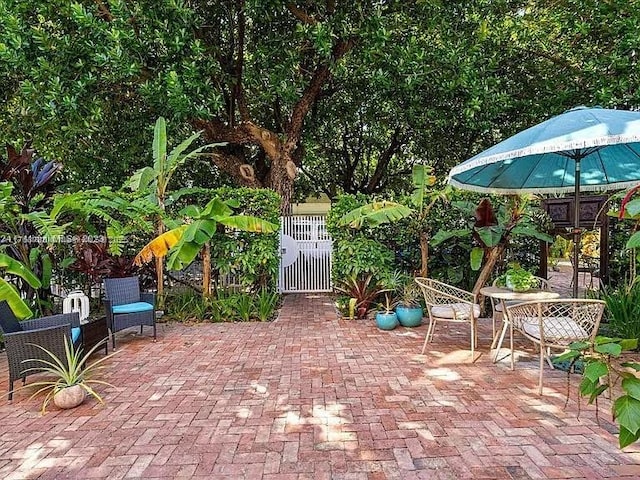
{"points": [[8, 321]]}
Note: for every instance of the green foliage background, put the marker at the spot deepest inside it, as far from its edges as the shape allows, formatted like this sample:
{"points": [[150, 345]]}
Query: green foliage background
{"points": [[253, 258]]}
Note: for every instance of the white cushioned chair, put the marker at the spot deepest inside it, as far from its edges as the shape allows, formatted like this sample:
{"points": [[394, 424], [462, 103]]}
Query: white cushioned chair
{"points": [[556, 323], [498, 314], [446, 302]]}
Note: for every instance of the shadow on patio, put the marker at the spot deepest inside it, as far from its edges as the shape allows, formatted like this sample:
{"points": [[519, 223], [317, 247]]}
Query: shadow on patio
{"points": [[311, 396]]}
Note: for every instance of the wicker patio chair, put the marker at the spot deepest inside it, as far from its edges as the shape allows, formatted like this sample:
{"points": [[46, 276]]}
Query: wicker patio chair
{"points": [[126, 306], [554, 324], [21, 338], [496, 306], [449, 303]]}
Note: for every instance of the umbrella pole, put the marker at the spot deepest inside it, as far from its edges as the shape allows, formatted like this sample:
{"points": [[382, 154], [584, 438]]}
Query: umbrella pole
{"points": [[576, 226]]}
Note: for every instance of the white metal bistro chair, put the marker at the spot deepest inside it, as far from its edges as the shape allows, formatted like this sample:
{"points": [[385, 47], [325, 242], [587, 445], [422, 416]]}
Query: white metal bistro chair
{"points": [[449, 303], [555, 324], [497, 309]]}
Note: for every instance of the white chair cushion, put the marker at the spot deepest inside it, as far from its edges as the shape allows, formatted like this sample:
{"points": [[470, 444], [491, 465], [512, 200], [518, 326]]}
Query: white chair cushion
{"points": [[455, 310], [555, 329]]}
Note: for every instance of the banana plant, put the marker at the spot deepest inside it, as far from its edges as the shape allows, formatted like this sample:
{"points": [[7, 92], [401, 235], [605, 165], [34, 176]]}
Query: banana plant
{"points": [[185, 242], [8, 292], [155, 180], [492, 232], [422, 199]]}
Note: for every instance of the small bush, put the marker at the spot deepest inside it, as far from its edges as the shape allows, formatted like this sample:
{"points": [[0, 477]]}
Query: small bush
{"points": [[623, 311], [226, 306]]}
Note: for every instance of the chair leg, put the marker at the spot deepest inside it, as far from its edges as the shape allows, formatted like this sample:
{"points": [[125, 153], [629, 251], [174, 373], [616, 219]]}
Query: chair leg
{"points": [[433, 330], [493, 338], [140, 329], [505, 326], [154, 332], [542, 355], [429, 336], [113, 339], [513, 364], [10, 389], [548, 357], [473, 339]]}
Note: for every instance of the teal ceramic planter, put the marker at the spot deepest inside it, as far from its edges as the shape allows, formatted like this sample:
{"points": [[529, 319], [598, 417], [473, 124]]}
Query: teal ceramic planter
{"points": [[386, 321], [409, 316]]}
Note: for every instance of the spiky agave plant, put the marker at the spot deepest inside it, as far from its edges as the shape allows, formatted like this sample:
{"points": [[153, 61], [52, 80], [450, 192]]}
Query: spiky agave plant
{"points": [[68, 372]]}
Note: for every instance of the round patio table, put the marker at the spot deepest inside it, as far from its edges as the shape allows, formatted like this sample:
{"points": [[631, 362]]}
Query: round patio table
{"points": [[507, 295]]}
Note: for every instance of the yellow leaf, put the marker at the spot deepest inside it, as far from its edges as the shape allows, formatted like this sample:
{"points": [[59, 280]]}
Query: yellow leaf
{"points": [[160, 246]]}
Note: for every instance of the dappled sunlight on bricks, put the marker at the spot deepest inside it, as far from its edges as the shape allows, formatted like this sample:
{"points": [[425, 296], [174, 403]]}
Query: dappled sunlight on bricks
{"points": [[313, 396]]}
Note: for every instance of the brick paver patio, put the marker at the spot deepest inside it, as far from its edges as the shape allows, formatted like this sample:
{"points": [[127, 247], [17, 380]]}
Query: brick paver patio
{"points": [[310, 396]]}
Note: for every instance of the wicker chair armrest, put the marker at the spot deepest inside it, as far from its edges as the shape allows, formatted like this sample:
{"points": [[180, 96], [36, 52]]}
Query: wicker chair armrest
{"points": [[72, 319], [35, 335], [148, 297]]}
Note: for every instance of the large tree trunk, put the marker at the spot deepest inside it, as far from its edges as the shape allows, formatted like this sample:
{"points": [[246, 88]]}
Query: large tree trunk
{"points": [[281, 145], [485, 274]]}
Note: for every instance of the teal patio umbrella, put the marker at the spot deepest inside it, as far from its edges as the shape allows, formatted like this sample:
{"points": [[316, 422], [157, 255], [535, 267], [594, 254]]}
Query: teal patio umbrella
{"points": [[583, 149]]}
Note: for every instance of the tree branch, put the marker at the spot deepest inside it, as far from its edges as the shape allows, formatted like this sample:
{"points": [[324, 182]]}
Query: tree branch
{"points": [[246, 133], [384, 160], [231, 164], [104, 11], [301, 108], [238, 91], [301, 15]]}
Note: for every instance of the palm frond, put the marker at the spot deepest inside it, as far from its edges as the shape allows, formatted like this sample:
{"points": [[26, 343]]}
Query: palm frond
{"points": [[248, 223], [374, 214], [10, 294], [160, 246], [15, 267]]}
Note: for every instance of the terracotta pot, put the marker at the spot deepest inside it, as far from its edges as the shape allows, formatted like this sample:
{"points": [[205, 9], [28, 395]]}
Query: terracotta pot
{"points": [[69, 397]]}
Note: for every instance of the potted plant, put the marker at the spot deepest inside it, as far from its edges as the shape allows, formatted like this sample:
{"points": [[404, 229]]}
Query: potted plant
{"points": [[386, 318], [409, 310], [517, 278], [71, 381]]}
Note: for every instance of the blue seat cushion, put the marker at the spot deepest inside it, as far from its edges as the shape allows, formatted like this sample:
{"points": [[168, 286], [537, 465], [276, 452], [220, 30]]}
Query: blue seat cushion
{"points": [[132, 307], [75, 334]]}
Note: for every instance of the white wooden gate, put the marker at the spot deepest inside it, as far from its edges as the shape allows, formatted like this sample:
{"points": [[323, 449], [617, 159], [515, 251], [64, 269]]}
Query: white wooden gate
{"points": [[305, 246]]}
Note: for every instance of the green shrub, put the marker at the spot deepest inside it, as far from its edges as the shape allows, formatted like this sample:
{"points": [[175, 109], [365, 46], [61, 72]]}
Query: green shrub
{"points": [[252, 258], [187, 306], [266, 304], [395, 246], [357, 252], [623, 311], [225, 306]]}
